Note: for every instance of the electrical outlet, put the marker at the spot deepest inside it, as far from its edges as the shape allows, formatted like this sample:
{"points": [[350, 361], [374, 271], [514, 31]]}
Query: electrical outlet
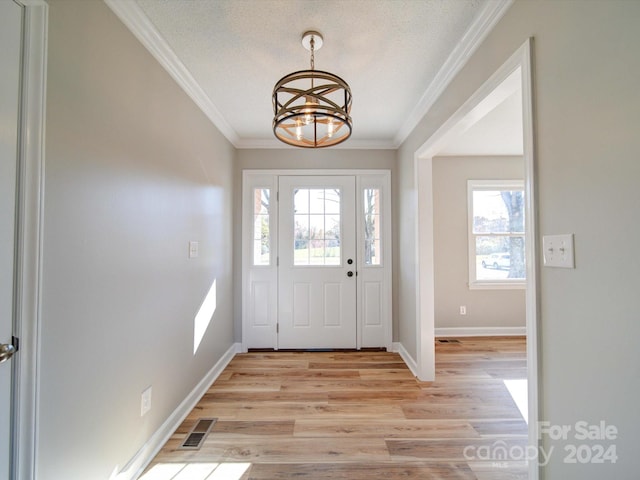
{"points": [[463, 310], [145, 401]]}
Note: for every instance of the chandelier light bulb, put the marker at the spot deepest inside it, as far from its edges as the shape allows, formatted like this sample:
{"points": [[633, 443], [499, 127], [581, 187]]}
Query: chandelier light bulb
{"points": [[309, 106], [330, 127]]}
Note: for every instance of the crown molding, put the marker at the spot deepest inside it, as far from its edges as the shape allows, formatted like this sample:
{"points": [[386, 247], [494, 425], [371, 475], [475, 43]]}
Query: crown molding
{"points": [[491, 13], [145, 31]]}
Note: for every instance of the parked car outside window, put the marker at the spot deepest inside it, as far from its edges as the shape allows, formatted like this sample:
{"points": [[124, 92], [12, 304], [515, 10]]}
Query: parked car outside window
{"points": [[498, 261]]}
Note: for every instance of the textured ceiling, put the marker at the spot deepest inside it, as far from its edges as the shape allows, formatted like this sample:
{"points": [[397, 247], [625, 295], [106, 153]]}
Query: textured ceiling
{"points": [[389, 51]]}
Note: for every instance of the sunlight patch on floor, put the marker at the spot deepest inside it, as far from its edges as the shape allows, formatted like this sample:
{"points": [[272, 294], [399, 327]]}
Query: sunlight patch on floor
{"points": [[196, 471], [518, 391]]}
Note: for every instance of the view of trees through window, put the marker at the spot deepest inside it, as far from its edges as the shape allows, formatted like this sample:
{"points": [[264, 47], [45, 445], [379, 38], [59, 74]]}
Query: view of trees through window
{"points": [[261, 236], [497, 233], [372, 206]]}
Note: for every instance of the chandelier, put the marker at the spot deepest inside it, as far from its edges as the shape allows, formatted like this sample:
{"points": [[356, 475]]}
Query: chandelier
{"points": [[312, 108]]}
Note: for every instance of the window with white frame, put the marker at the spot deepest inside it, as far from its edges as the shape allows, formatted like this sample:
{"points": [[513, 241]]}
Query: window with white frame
{"points": [[372, 204], [496, 234], [261, 227]]}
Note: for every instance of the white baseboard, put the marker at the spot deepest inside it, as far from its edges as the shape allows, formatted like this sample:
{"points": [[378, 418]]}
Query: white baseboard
{"points": [[149, 450], [411, 363], [480, 331]]}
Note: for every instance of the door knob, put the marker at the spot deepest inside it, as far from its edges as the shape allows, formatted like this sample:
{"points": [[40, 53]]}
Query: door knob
{"points": [[6, 352], [349, 274]]}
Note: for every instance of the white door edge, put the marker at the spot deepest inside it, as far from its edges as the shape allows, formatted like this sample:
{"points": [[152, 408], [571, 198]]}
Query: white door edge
{"points": [[30, 226]]}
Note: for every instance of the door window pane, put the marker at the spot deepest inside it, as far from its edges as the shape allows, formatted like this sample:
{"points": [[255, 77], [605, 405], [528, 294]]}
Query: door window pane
{"points": [[316, 226], [301, 200], [261, 232], [332, 201], [372, 208]]}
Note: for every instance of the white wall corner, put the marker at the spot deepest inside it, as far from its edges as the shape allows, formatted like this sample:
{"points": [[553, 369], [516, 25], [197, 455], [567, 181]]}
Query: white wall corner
{"points": [[397, 347], [134, 468]]}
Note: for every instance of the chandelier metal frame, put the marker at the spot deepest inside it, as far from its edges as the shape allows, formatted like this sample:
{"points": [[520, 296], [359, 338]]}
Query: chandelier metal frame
{"points": [[312, 108]]}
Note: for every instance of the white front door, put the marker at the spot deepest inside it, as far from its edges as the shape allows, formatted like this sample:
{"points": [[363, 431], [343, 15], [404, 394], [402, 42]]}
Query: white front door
{"points": [[10, 39], [317, 262]]}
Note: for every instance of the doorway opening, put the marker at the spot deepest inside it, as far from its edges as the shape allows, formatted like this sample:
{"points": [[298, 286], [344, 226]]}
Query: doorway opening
{"points": [[475, 107]]}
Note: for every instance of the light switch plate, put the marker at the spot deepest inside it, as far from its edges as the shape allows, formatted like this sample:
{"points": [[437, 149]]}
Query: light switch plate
{"points": [[193, 249], [558, 251]]}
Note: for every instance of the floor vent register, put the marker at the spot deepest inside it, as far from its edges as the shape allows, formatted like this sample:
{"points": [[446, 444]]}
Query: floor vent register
{"points": [[198, 433]]}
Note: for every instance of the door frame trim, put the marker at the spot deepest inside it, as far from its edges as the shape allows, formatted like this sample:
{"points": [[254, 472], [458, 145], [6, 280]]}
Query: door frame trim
{"points": [[29, 242], [358, 173]]}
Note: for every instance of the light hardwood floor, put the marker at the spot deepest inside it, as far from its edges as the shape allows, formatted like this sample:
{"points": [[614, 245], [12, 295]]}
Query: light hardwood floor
{"points": [[357, 415]]}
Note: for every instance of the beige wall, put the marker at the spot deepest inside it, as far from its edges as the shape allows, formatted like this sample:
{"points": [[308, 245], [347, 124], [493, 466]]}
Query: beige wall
{"points": [[335, 158], [134, 171], [586, 68], [485, 308], [297, 158]]}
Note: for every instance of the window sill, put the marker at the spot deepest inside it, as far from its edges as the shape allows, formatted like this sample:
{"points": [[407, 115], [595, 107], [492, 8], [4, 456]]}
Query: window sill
{"points": [[519, 285]]}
